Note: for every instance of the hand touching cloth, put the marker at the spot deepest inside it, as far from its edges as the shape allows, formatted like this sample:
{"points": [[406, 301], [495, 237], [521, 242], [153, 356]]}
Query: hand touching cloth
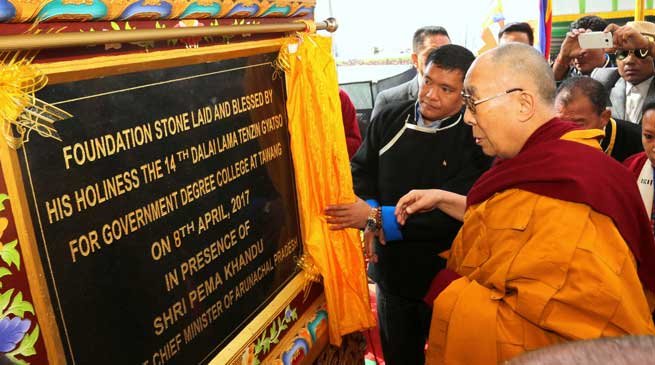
{"points": [[322, 176]]}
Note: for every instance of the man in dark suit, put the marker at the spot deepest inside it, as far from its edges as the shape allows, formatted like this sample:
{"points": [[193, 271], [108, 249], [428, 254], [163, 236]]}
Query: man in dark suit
{"points": [[635, 88], [425, 40], [583, 100]]}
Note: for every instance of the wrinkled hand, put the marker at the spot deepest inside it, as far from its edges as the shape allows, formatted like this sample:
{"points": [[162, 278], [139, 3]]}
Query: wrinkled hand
{"points": [[369, 243], [627, 37], [417, 201], [353, 215]]}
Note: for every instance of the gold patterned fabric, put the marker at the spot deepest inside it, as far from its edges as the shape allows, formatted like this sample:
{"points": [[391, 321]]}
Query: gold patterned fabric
{"points": [[20, 111]]}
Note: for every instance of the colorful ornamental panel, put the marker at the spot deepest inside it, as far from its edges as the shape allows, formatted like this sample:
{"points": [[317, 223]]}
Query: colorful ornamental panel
{"points": [[14, 11], [20, 339]]}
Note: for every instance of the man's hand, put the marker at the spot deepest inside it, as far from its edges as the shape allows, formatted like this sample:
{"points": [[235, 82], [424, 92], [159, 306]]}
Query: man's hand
{"points": [[570, 50], [571, 46], [417, 201], [369, 243], [341, 216], [627, 37]]}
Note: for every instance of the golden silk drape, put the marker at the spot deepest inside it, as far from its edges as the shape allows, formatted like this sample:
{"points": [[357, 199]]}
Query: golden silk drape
{"points": [[322, 173]]}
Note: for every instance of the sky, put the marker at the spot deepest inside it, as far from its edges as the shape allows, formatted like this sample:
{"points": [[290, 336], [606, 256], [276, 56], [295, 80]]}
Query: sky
{"points": [[389, 24]]}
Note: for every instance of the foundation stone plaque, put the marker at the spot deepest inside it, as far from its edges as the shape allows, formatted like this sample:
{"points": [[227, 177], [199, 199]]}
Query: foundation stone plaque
{"points": [[166, 218]]}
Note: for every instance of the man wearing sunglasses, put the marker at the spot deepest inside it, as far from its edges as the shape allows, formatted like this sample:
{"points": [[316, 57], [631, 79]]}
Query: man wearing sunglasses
{"points": [[416, 144], [545, 253], [635, 87]]}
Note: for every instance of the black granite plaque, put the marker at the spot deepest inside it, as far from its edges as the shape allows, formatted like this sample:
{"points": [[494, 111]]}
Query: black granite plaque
{"points": [[167, 216]]}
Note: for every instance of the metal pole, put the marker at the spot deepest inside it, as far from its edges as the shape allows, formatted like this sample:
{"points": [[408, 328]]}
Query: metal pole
{"points": [[62, 40], [639, 10], [334, 40]]}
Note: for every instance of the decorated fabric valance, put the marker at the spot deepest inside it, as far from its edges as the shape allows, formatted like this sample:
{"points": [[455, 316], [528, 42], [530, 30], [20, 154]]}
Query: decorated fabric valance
{"points": [[14, 11]]}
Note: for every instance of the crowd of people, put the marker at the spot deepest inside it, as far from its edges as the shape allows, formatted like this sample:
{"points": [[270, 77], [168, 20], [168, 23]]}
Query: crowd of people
{"points": [[507, 201]]}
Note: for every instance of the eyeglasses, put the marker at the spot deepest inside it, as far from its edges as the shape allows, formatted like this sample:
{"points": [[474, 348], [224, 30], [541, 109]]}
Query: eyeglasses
{"points": [[471, 103], [622, 54]]}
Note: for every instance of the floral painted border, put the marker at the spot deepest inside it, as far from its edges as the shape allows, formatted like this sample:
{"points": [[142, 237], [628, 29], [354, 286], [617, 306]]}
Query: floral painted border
{"points": [[296, 346], [189, 42], [269, 337], [15, 11], [20, 336], [277, 330]]}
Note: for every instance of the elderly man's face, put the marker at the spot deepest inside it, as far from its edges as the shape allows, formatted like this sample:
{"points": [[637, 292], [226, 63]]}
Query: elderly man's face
{"points": [[634, 69], [579, 109], [429, 43], [492, 120], [440, 93]]}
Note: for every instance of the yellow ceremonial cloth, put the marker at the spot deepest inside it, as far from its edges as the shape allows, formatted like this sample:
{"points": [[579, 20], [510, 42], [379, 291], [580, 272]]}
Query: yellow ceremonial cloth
{"points": [[322, 171], [536, 271]]}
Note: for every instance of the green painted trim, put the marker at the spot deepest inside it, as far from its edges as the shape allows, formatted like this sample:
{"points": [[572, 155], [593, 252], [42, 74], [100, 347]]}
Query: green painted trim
{"points": [[609, 15], [649, 4], [559, 32], [561, 24], [615, 5], [582, 6]]}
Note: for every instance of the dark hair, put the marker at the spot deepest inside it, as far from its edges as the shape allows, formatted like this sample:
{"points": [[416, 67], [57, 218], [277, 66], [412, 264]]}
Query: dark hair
{"points": [[648, 106], [595, 23], [518, 27], [586, 86], [451, 57], [421, 33]]}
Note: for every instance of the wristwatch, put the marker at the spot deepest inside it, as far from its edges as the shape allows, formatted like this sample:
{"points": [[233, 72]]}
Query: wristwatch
{"points": [[374, 220]]}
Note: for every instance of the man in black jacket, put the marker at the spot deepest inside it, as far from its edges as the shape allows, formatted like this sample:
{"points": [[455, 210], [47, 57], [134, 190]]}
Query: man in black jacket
{"points": [[421, 144], [584, 100]]}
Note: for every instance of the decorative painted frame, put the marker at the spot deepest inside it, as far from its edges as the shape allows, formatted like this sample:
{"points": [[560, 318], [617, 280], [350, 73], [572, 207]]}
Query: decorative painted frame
{"points": [[21, 341], [14, 11], [49, 344]]}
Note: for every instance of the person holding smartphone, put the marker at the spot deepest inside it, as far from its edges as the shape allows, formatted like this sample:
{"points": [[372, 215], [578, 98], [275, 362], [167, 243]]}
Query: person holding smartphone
{"points": [[632, 85], [574, 60], [633, 35]]}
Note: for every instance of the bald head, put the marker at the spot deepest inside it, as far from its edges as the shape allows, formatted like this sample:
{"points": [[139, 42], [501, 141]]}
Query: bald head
{"points": [[627, 350], [517, 62], [510, 92]]}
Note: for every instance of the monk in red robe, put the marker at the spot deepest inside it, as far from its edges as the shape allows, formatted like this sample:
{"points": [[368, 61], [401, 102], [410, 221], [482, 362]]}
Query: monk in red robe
{"points": [[556, 244], [642, 166]]}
